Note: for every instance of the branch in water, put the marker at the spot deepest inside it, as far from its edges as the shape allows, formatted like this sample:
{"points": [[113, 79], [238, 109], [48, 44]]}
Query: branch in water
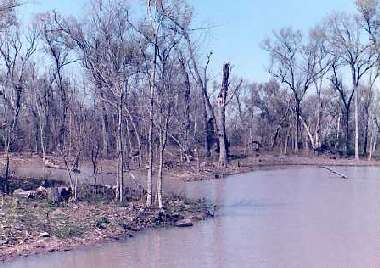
{"points": [[335, 173]]}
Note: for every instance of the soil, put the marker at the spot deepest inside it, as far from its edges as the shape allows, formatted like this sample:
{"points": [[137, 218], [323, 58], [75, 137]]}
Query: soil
{"points": [[29, 227]]}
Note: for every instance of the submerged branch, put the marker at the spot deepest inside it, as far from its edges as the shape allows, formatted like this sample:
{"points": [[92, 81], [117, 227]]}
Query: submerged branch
{"points": [[335, 172]]}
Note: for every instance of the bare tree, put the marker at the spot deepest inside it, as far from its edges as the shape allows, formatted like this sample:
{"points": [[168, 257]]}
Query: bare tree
{"points": [[15, 57], [367, 103], [106, 50], [346, 97], [7, 13], [293, 64], [56, 48], [346, 44], [318, 47], [224, 98]]}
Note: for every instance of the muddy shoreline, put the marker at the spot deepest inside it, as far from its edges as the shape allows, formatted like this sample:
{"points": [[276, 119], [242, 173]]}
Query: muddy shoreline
{"points": [[106, 221], [30, 227], [267, 161]]}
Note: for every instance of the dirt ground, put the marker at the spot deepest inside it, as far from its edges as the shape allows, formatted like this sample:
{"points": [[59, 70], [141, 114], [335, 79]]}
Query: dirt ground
{"points": [[31, 166], [30, 227]]}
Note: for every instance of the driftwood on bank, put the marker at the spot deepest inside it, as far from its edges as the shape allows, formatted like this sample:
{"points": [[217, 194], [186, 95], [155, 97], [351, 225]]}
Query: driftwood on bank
{"points": [[335, 172]]}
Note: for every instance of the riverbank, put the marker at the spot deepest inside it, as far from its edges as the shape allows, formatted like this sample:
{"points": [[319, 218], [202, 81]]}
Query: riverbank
{"points": [[31, 166], [32, 226], [29, 227], [242, 164]]}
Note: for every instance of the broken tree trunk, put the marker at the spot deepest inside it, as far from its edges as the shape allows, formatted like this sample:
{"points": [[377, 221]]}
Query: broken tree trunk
{"points": [[221, 102]]}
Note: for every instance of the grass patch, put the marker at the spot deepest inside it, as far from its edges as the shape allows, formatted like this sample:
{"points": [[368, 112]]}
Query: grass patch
{"points": [[68, 230]]}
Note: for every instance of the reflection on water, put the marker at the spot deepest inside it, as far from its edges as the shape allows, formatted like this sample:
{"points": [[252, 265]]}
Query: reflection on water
{"points": [[294, 217]]}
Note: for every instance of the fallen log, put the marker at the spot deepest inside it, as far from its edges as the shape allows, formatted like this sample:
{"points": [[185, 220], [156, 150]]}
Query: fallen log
{"points": [[50, 164], [335, 172]]}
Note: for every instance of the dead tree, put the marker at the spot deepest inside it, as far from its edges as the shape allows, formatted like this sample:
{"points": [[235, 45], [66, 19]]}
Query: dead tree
{"points": [[346, 43], [224, 98], [221, 103], [346, 97], [293, 64], [56, 47], [16, 59]]}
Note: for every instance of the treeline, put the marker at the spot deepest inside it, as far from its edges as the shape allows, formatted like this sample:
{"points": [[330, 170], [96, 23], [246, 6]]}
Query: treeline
{"points": [[121, 86], [323, 94]]}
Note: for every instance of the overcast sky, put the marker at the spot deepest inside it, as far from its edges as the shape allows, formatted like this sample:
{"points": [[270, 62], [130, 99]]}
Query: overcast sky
{"points": [[237, 27]]}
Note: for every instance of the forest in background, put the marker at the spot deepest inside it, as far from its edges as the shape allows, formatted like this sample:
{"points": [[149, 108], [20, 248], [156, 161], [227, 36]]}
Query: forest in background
{"points": [[117, 85]]}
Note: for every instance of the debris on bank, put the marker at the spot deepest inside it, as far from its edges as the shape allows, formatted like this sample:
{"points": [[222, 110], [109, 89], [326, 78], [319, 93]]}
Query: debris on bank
{"points": [[30, 223]]}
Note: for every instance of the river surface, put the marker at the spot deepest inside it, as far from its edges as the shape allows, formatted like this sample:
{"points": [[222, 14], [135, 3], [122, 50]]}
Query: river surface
{"points": [[285, 217]]}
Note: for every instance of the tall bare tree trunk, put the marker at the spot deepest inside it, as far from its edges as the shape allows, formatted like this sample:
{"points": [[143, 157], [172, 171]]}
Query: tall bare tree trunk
{"points": [[309, 134], [187, 124], [160, 175], [356, 122], [210, 123], [164, 124], [150, 153], [366, 134], [347, 130], [223, 157], [374, 138], [41, 131], [10, 136], [297, 134], [65, 108], [120, 166], [42, 139], [318, 142], [151, 114], [105, 137], [6, 179], [138, 138], [286, 141]]}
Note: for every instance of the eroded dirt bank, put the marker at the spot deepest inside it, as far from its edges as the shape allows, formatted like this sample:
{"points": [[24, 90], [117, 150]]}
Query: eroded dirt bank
{"points": [[35, 226]]}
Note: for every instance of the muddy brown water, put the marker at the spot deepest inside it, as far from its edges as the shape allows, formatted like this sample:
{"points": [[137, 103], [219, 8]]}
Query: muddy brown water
{"points": [[285, 217], [132, 179]]}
